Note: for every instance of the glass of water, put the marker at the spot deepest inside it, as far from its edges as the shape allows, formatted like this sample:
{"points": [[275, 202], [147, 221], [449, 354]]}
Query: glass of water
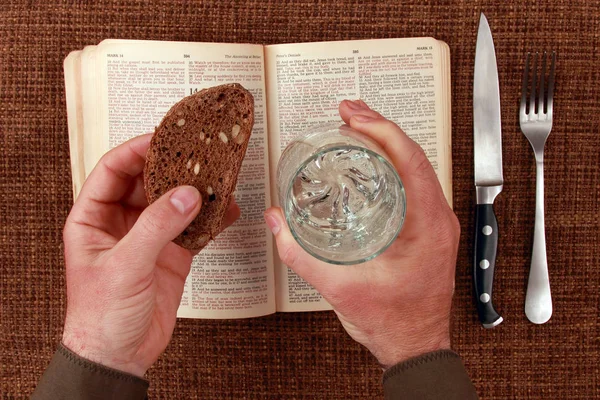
{"points": [[343, 200]]}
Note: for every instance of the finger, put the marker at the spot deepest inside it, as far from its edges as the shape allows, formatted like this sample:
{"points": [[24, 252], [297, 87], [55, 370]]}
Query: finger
{"points": [[409, 159], [406, 155], [111, 177], [161, 222], [174, 260], [324, 277], [116, 177], [136, 194], [231, 215], [349, 108]]}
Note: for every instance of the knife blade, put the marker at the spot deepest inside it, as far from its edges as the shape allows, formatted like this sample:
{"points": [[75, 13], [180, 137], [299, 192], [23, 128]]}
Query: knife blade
{"points": [[487, 136]]}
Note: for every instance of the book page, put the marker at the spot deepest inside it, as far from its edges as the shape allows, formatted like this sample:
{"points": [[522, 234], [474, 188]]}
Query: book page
{"points": [[400, 78], [73, 95], [139, 81], [89, 106]]}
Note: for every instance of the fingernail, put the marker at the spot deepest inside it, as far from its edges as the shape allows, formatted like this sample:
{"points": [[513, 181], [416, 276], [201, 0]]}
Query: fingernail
{"points": [[353, 105], [362, 118], [363, 104], [184, 199], [272, 224]]}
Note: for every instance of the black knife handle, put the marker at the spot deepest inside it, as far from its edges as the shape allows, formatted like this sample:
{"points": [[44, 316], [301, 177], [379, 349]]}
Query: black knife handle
{"points": [[486, 244]]}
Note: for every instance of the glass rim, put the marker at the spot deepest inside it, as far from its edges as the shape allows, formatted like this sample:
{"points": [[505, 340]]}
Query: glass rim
{"points": [[385, 162]]}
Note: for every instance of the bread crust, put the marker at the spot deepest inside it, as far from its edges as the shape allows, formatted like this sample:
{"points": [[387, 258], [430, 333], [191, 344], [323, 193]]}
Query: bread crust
{"points": [[201, 142]]}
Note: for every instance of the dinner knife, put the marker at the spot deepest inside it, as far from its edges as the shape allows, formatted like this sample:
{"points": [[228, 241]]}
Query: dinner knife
{"points": [[487, 136]]}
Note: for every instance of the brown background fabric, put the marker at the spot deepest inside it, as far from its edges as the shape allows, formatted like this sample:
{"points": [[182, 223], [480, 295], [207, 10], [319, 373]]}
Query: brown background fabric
{"points": [[308, 355]]}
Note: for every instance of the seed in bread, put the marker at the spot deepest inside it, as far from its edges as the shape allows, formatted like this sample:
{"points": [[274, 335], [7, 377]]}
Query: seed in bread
{"points": [[201, 142]]}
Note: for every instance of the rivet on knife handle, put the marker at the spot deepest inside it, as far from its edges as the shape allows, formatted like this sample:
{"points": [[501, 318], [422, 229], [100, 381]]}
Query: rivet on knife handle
{"points": [[486, 245]]}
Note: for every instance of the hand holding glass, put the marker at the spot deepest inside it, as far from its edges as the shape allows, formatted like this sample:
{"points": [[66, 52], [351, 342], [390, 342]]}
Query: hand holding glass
{"points": [[342, 199]]}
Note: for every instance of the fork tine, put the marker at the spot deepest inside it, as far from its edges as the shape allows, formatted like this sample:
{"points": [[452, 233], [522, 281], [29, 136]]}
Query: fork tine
{"points": [[541, 97], [523, 112], [532, 110], [550, 100]]}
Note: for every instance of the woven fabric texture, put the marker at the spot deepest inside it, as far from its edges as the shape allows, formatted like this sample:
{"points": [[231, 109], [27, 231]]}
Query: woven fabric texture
{"points": [[308, 355]]}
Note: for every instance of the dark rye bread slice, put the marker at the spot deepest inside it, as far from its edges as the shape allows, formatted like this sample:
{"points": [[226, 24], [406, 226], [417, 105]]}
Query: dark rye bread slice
{"points": [[201, 142]]}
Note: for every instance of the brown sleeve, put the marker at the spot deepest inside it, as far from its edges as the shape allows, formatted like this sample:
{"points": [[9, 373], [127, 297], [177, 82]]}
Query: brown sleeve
{"points": [[431, 376], [72, 377]]}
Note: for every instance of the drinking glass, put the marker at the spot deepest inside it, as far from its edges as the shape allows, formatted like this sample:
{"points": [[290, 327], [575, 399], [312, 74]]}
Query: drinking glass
{"points": [[342, 199]]}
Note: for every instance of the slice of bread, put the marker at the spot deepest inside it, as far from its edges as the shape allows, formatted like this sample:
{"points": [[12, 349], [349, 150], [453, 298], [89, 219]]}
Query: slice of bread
{"points": [[201, 142]]}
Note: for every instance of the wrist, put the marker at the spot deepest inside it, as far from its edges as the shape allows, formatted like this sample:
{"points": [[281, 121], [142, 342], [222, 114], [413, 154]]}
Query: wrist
{"points": [[422, 338], [398, 355], [85, 346]]}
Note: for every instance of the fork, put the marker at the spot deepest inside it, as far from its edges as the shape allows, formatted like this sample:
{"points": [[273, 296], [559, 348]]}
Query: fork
{"points": [[536, 123]]}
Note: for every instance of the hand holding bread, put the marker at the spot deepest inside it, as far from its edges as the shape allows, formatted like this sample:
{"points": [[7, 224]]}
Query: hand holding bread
{"points": [[125, 276]]}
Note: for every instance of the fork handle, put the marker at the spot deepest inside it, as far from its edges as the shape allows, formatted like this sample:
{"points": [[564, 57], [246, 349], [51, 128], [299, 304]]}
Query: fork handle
{"points": [[538, 301]]}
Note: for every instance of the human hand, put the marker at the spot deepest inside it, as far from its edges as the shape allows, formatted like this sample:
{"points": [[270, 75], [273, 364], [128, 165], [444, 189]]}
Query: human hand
{"points": [[125, 277], [398, 304]]}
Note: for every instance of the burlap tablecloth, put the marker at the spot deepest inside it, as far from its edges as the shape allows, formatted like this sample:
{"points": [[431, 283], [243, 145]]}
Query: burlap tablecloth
{"points": [[308, 355]]}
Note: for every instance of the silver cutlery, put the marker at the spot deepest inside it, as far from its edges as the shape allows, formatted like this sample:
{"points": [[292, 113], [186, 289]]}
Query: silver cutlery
{"points": [[535, 118], [487, 138]]}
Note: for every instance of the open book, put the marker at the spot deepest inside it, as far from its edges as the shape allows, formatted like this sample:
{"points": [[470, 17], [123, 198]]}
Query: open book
{"points": [[123, 88]]}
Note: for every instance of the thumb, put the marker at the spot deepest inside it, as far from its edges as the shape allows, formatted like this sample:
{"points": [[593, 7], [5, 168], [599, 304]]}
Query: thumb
{"points": [[162, 221], [325, 278]]}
